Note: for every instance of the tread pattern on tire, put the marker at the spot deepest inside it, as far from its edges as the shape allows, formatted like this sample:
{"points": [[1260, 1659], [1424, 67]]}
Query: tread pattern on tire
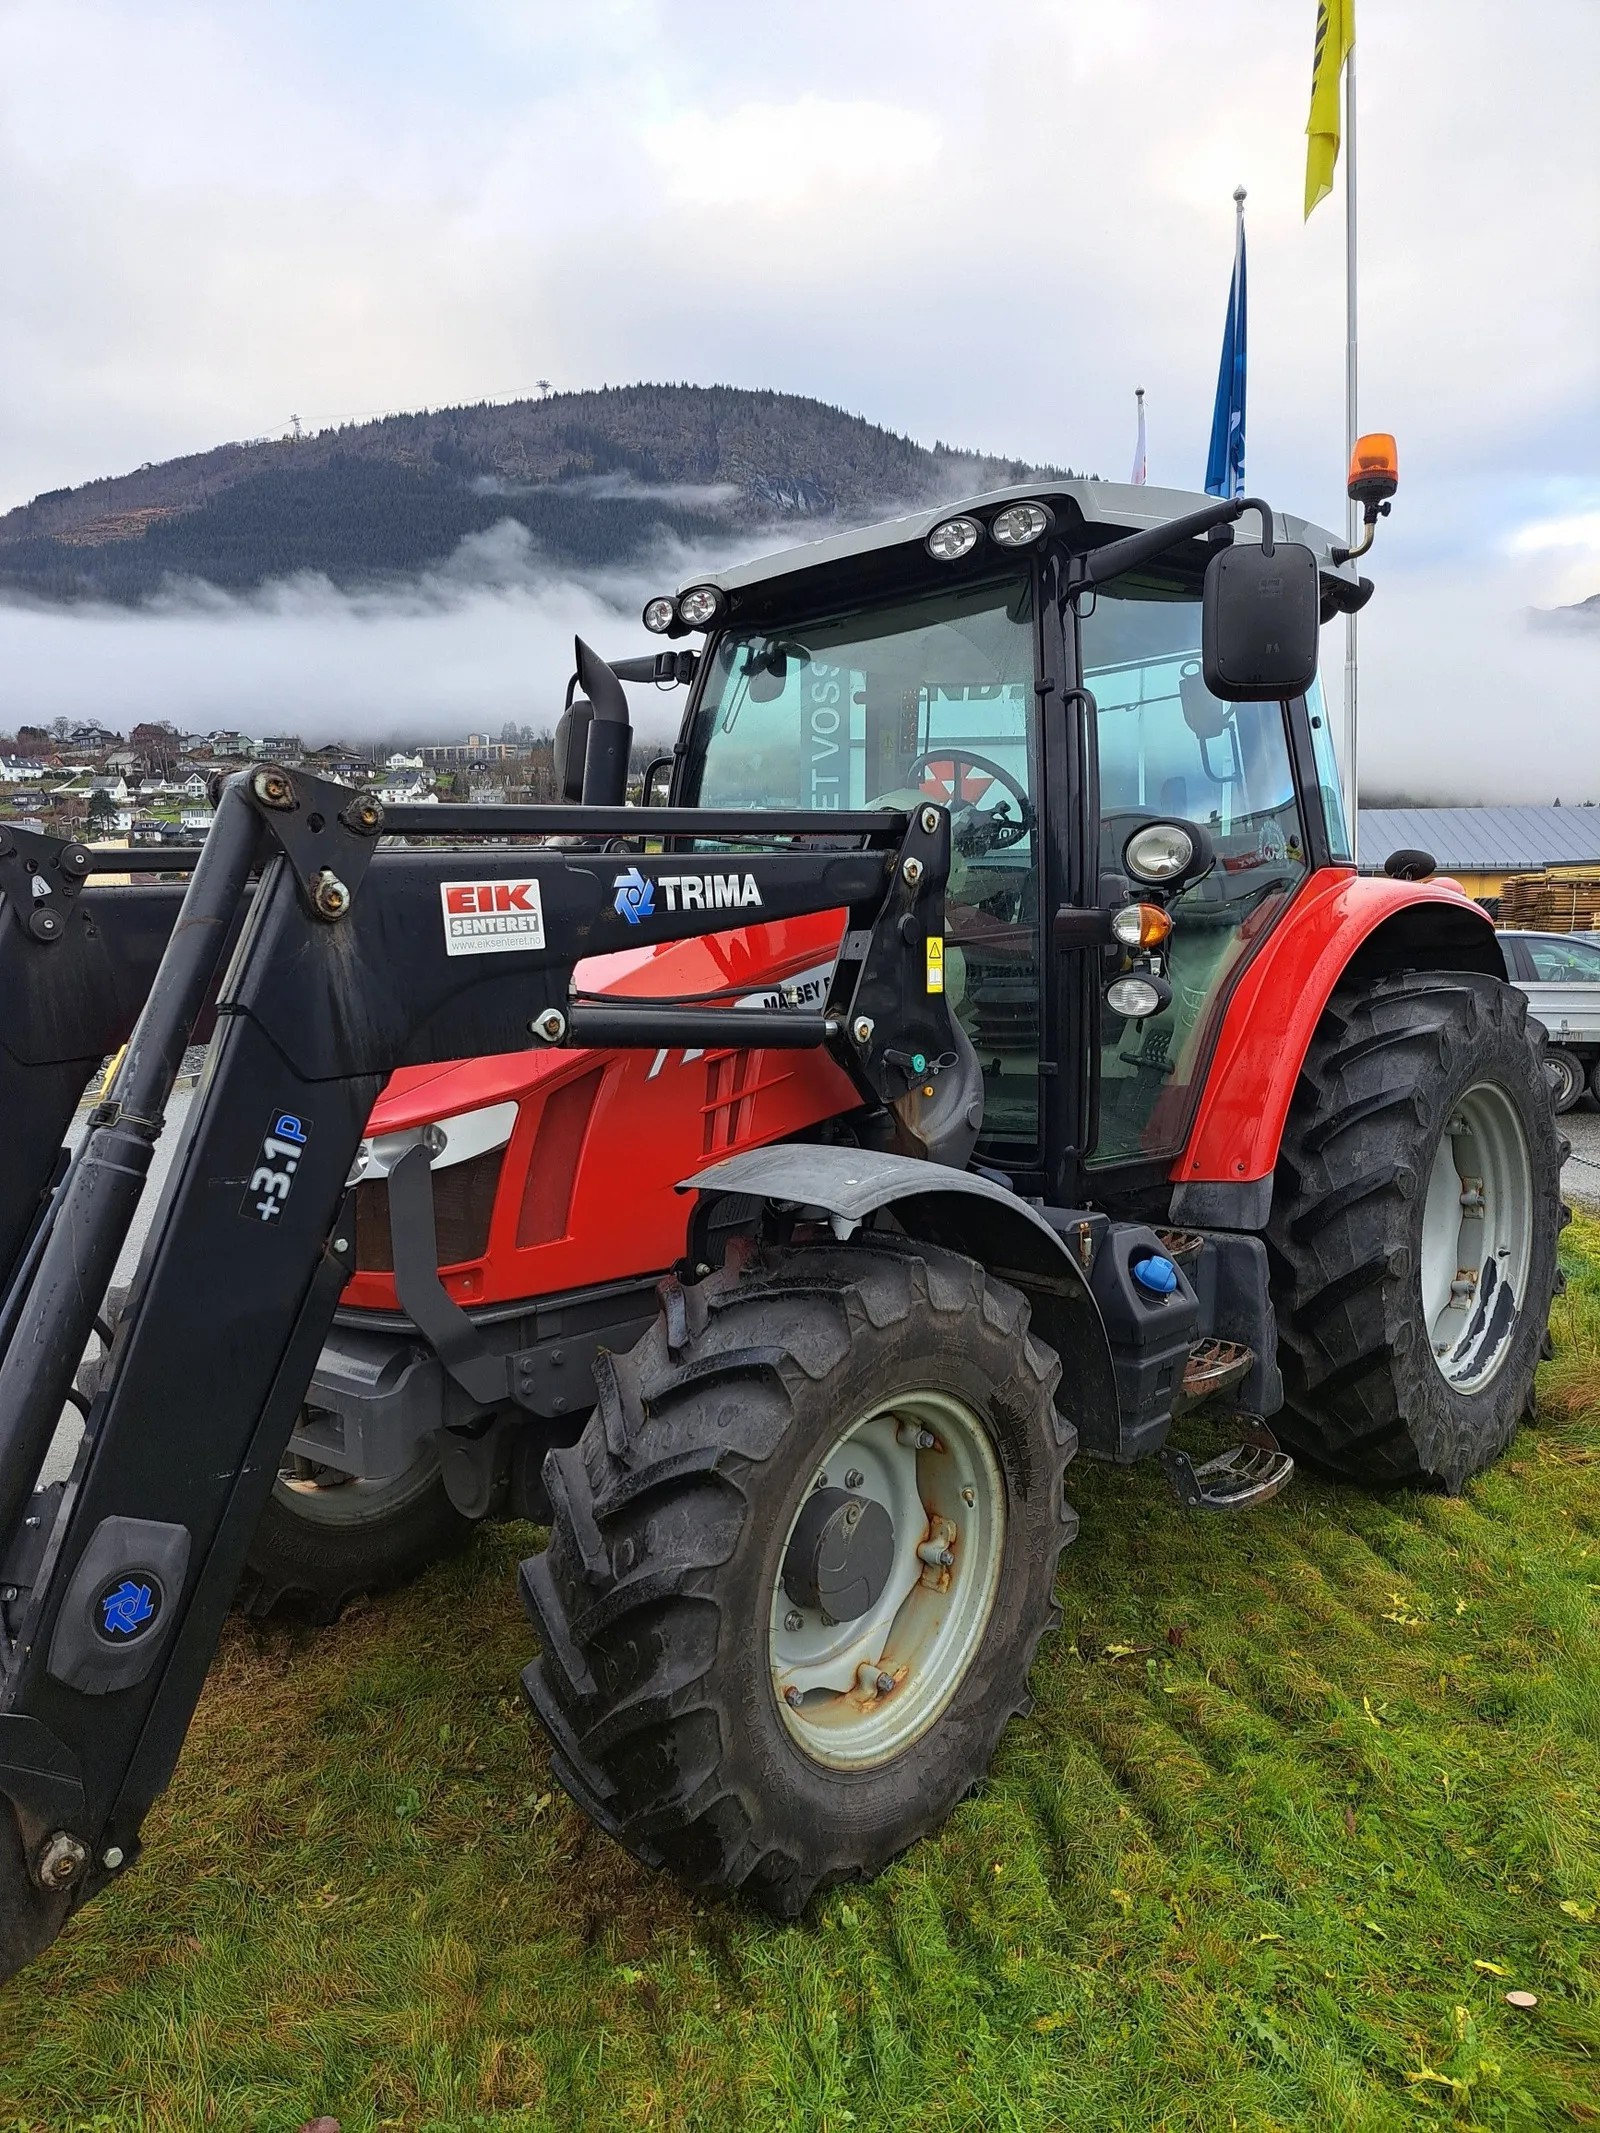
{"points": [[650, 1507], [1363, 1398]]}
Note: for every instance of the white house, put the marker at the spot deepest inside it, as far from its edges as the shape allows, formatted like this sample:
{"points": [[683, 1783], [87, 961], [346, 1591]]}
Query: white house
{"points": [[20, 770]]}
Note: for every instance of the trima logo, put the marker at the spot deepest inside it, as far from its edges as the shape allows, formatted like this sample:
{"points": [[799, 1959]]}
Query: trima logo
{"points": [[484, 917], [128, 1608], [636, 896]]}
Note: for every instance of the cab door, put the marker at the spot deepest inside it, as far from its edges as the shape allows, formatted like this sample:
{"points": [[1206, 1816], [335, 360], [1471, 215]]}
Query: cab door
{"points": [[1166, 749]]}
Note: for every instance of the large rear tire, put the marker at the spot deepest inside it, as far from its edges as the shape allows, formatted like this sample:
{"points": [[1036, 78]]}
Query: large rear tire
{"points": [[1416, 1213], [684, 1675]]}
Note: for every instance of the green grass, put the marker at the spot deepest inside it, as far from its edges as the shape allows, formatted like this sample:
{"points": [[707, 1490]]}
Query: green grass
{"points": [[1306, 1793]]}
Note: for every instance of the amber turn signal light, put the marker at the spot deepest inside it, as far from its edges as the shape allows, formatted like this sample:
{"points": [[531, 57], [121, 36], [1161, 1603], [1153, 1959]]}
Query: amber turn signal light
{"points": [[1374, 469], [1140, 926]]}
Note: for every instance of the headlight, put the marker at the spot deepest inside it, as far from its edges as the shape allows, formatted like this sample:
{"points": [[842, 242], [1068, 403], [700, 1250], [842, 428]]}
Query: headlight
{"points": [[953, 538], [659, 615], [1137, 996], [1161, 851], [447, 1140], [1140, 926], [1018, 524], [699, 606]]}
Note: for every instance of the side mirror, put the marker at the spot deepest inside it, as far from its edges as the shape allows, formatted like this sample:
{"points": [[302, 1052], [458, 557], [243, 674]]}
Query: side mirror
{"points": [[571, 746], [1258, 622], [1205, 717]]}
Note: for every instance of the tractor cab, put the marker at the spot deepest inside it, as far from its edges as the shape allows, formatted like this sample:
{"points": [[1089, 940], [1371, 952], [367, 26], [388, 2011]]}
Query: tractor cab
{"points": [[978, 657]]}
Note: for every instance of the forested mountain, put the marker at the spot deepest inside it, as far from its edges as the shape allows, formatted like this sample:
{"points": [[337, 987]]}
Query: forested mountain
{"points": [[596, 477]]}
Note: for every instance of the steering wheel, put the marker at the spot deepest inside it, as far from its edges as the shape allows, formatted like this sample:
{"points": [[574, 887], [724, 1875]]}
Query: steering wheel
{"points": [[942, 773]]}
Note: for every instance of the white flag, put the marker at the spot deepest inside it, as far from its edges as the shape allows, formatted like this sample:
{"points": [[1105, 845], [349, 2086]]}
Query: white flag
{"points": [[1138, 475]]}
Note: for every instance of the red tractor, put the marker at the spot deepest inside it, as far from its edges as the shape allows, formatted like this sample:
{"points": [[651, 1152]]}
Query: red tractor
{"points": [[791, 1338], [1290, 1123]]}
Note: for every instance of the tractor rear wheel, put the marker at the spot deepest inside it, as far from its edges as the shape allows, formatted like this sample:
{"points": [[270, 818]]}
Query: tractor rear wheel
{"points": [[799, 1564], [1415, 1220]]}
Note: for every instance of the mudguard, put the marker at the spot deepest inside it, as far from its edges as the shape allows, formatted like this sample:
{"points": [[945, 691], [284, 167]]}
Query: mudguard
{"points": [[963, 1212], [1339, 923]]}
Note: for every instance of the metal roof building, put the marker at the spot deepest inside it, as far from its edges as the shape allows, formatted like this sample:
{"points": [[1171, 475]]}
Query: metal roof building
{"points": [[1487, 842]]}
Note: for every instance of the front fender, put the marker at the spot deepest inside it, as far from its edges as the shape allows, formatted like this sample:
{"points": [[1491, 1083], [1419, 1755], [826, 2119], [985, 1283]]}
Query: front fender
{"points": [[962, 1212], [1340, 923]]}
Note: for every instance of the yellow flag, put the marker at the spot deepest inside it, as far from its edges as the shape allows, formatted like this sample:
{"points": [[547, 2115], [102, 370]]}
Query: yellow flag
{"points": [[1336, 33]]}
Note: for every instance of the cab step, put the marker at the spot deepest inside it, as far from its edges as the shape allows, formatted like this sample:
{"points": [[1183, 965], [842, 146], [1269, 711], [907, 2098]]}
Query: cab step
{"points": [[1248, 1472], [1214, 1366]]}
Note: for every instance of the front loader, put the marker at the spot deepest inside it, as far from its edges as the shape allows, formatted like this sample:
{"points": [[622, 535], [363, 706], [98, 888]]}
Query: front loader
{"points": [[997, 987]]}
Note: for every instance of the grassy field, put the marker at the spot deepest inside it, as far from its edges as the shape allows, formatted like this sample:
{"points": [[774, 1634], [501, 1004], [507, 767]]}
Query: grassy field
{"points": [[1306, 1793]]}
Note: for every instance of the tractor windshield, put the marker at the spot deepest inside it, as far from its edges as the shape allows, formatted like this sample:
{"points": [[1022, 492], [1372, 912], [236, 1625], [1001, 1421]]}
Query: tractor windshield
{"points": [[934, 697]]}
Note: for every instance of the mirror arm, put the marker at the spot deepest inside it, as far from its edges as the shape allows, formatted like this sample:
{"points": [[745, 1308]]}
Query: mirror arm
{"points": [[1136, 548]]}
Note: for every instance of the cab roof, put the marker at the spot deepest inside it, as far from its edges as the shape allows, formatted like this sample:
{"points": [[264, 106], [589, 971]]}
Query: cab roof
{"points": [[1103, 509]]}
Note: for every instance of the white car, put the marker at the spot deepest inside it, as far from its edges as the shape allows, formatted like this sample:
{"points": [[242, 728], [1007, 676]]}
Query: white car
{"points": [[1560, 974]]}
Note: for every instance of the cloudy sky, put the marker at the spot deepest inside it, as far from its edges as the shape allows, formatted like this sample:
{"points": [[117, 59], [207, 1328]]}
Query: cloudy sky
{"points": [[981, 225]]}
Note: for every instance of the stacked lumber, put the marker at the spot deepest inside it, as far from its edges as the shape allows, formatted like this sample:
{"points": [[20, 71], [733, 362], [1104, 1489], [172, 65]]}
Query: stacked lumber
{"points": [[1551, 903]]}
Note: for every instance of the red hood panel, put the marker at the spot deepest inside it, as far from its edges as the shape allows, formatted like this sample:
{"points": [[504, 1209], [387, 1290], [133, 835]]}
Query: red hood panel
{"points": [[749, 956]]}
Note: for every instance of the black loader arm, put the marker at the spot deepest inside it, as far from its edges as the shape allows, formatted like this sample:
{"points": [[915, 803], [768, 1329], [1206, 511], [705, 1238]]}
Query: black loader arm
{"points": [[77, 960], [349, 963]]}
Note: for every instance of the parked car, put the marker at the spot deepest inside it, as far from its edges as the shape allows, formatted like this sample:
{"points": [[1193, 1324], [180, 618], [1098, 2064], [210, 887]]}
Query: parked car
{"points": [[1560, 973]]}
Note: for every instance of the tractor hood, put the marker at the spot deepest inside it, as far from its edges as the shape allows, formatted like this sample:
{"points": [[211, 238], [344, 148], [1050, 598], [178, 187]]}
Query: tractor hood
{"points": [[751, 959]]}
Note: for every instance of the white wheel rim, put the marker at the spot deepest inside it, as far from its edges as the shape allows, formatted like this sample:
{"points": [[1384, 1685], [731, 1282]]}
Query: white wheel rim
{"points": [[928, 1623], [1477, 1238]]}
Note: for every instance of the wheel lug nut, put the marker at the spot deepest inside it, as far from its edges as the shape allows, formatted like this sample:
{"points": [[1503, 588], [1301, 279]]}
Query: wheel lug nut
{"points": [[794, 1620], [854, 1478], [936, 1555], [821, 1481], [793, 1698], [885, 1684], [915, 1438]]}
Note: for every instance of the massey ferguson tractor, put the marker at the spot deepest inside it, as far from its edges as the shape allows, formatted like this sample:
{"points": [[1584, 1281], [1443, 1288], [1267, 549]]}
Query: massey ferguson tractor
{"points": [[983, 1052]]}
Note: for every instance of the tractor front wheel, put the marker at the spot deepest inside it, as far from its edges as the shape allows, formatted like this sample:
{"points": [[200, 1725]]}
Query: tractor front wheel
{"points": [[325, 1537], [799, 1564], [1416, 1213]]}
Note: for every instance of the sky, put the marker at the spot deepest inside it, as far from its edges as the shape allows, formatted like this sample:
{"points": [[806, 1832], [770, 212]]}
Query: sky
{"points": [[983, 226]]}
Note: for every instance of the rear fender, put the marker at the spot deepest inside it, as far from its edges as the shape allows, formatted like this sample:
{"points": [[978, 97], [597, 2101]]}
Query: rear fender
{"points": [[1340, 928], [961, 1212]]}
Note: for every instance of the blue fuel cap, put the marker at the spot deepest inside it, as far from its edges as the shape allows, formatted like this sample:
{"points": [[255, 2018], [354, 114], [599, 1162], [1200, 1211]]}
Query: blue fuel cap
{"points": [[1157, 1275]]}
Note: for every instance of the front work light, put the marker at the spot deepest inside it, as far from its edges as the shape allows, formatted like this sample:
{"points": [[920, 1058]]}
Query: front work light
{"points": [[1140, 926], [700, 606], [1137, 996], [953, 538], [1160, 852], [659, 615], [1018, 524]]}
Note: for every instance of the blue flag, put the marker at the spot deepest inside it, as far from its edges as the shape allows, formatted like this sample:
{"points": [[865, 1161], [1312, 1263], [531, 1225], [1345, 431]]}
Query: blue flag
{"points": [[1225, 461]]}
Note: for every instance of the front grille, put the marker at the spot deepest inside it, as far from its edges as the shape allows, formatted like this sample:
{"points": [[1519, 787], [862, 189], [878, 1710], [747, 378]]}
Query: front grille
{"points": [[463, 1201]]}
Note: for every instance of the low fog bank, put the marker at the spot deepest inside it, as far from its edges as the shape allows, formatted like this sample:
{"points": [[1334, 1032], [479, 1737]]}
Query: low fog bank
{"points": [[1464, 696], [1467, 694], [482, 639]]}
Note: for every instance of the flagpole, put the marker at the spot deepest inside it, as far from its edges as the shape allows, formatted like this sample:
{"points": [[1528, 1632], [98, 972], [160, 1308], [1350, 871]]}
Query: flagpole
{"points": [[1352, 530]]}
